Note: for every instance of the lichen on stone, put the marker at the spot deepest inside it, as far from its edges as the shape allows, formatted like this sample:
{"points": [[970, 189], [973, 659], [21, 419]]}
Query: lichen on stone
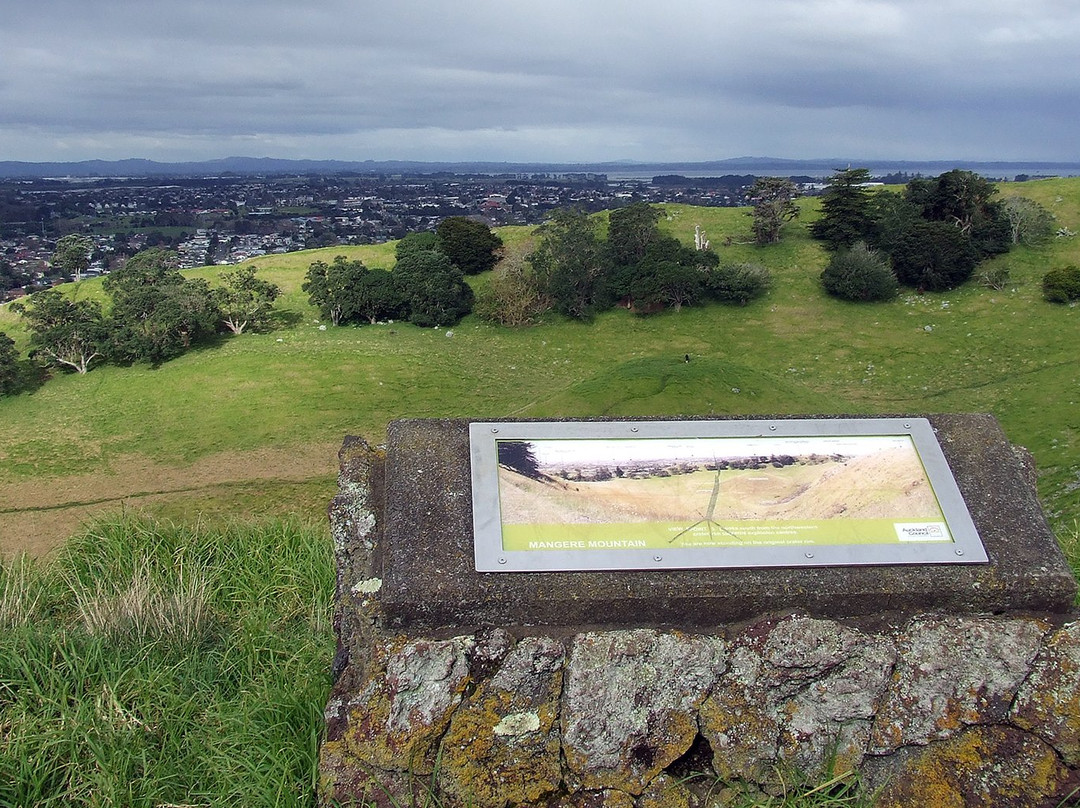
{"points": [[502, 745], [992, 767], [630, 703], [406, 702], [954, 672], [1048, 703]]}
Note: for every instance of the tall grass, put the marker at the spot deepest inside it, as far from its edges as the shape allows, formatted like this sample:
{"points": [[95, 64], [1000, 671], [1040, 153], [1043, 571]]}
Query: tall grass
{"points": [[151, 664]]}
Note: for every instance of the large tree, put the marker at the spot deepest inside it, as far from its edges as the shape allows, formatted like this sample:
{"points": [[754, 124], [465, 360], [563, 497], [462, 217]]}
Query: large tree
{"points": [[571, 264], [845, 210], [933, 256], [63, 332], [157, 313], [630, 232], [964, 200], [668, 274], [72, 254], [470, 245], [433, 289], [773, 199], [245, 301], [333, 287], [421, 241]]}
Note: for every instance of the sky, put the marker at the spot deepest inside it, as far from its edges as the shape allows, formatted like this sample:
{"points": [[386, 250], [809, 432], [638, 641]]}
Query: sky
{"points": [[552, 81], [555, 451]]}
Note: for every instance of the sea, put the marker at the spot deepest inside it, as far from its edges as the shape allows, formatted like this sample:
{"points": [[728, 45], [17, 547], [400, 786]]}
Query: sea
{"points": [[997, 171]]}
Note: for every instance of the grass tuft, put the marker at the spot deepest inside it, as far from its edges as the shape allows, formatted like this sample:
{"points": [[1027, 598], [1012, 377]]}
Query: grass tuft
{"points": [[154, 664]]}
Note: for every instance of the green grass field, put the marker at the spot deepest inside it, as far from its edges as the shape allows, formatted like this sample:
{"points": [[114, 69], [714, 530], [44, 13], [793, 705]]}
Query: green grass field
{"points": [[301, 388], [188, 662]]}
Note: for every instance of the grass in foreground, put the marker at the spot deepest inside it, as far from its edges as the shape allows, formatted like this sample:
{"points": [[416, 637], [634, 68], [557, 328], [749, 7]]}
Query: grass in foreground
{"points": [[149, 664]]}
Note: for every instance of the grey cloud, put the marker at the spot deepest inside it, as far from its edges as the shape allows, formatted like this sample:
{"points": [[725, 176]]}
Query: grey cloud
{"points": [[690, 79]]}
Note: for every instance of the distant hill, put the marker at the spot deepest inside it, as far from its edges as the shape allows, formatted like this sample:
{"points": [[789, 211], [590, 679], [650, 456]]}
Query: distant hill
{"points": [[737, 165]]}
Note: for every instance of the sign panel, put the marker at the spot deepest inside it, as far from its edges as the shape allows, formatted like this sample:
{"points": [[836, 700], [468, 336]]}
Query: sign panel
{"points": [[709, 494]]}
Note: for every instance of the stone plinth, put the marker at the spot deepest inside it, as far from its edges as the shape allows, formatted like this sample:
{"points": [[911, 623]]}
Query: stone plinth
{"points": [[933, 685], [428, 580]]}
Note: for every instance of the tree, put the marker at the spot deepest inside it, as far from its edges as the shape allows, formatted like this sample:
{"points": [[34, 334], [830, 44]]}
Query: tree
{"points": [[774, 206], [423, 241], [964, 200], [157, 313], [669, 274], [66, 333], [433, 289], [513, 297], [519, 456], [9, 365], [470, 245], [378, 296], [72, 254], [845, 210], [630, 232], [245, 300], [933, 256], [571, 264], [1029, 222], [333, 287], [859, 274]]}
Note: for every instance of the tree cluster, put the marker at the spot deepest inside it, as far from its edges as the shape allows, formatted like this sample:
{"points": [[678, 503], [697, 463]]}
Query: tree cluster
{"points": [[153, 314], [426, 286], [933, 234], [576, 272]]}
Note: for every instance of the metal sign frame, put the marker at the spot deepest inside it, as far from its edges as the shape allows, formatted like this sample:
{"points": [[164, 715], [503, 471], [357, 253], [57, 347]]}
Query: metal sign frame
{"points": [[701, 539]]}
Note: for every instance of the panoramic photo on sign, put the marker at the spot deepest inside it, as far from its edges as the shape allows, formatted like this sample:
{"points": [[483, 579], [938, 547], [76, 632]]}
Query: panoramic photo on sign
{"points": [[628, 495]]}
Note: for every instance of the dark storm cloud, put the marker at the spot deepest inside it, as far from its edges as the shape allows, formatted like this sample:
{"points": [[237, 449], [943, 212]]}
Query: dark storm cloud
{"points": [[560, 80]]}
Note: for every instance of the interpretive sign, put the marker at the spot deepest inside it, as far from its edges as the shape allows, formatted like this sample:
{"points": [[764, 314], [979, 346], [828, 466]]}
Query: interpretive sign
{"points": [[619, 495]]}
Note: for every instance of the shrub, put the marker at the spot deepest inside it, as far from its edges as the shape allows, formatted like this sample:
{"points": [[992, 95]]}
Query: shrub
{"points": [[1062, 285], [995, 277], [513, 297], [933, 256], [859, 274], [739, 283]]}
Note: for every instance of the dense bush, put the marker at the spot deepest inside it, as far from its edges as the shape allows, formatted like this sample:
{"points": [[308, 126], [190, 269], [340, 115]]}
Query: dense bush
{"points": [[859, 274], [513, 297], [1062, 285], [933, 256], [738, 283]]}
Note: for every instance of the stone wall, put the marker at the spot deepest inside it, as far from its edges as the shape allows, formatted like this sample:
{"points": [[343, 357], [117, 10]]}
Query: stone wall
{"points": [[939, 711], [929, 708]]}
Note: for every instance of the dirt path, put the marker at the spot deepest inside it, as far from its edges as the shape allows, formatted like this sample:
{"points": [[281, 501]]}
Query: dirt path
{"points": [[37, 515]]}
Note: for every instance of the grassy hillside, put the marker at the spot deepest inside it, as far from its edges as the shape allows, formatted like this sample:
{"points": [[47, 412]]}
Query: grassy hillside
{"points": [[252, 425]]}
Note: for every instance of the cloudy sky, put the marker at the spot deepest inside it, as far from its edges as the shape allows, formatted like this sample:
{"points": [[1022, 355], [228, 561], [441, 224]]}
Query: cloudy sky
{"points": [[558, 80]]}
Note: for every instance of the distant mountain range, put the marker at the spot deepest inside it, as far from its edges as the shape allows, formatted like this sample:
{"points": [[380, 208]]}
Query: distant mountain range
{"points": [[736, 165]]}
